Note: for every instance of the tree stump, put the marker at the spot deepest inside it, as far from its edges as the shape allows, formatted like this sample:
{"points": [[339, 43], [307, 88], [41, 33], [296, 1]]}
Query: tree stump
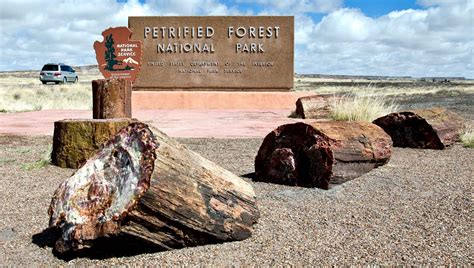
{"points": [[144, 184], [314, 107], [111, 98], [321, 154], [76, 140], [433, 128]]}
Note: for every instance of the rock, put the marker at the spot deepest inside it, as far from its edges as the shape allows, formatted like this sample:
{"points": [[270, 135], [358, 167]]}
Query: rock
{"points": [[314, 107], [7, 234], [320, 154], [144, 184], [433, 128], [358, 147]]}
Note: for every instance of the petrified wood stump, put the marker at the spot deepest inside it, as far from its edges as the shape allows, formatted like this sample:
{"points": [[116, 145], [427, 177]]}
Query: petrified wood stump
{"points": [[76, 140], [314, 107], [111, 98], [144, 184], [433, 128], [321, 154]]}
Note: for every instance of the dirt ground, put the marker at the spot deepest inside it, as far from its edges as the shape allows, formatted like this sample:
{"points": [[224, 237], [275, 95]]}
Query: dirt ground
{"points": [[415, 210], [223, 123]]}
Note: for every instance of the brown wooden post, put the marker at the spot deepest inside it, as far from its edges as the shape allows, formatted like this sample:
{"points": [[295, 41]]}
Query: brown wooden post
{"points": [[111, 98]]}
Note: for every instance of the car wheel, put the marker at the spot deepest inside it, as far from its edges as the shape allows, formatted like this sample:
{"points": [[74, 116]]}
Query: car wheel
{"points": [[44, 82], [76, 80], [56, 83], [64, 80]]}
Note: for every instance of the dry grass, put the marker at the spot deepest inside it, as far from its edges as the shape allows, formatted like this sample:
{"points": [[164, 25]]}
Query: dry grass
{"points": [[22, 91], [361, 106], [467, 136], [393, 87]]}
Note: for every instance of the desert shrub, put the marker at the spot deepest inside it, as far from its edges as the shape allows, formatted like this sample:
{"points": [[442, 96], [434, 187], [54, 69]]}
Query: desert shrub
{"points": [[360, 107], [467, 136], [41, 93]]}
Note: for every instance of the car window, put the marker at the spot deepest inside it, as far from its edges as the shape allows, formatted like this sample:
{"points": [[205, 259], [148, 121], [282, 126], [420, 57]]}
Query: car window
{"points": [[50, 67], [64, 68]]}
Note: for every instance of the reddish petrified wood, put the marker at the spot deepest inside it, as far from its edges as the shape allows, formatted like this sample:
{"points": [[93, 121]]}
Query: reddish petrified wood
{"points": [[358, 147], [144, 184], [111, 99], [320, 154], [98, 197], [295, 154], [433, 128], [314, 107]]}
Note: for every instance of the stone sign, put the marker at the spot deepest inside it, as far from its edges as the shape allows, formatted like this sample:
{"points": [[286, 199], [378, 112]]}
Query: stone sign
{"points": [[215, 53], [117, 56]]}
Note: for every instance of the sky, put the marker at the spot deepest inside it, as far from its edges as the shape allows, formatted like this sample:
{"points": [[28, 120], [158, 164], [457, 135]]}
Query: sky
{"points": [[355, 37]]}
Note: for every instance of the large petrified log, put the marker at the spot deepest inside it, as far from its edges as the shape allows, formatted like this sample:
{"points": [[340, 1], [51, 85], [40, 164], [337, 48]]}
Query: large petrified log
{"points": [[433, 128], [111, 98], [320, 154], [145, 184], [314, 106], [76, 140]]}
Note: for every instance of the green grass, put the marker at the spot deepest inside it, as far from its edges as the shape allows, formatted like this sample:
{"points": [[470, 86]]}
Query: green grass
{"points": [[361, 106], [6, 161], [36, 165], [44, 161]]}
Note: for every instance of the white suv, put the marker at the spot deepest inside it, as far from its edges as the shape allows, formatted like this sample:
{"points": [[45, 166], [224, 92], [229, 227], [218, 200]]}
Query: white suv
{"points": [[58, 73]]}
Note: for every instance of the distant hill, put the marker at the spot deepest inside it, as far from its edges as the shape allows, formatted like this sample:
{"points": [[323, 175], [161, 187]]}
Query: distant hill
{"points": [[436, 79], [375, 77]]}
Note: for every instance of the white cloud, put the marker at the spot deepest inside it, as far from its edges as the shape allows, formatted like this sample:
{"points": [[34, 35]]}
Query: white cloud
{"points": [[438, 40], [435, 40], [36, 32], [192, 7], [297, 6]]}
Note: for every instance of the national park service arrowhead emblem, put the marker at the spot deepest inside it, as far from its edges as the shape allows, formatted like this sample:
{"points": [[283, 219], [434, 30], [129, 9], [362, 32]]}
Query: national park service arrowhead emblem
{"points": [[117, 55]]}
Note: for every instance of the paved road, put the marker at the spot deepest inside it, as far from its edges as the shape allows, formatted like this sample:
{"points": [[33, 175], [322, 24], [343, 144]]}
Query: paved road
{"points": [[176, 123]]}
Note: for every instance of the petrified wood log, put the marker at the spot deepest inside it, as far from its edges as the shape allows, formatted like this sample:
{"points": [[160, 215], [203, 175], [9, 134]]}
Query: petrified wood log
{"points": [[433, 128], [358, 147], [111, 98], [320, 154], [76, 140], [314, 107], [144, 184]]}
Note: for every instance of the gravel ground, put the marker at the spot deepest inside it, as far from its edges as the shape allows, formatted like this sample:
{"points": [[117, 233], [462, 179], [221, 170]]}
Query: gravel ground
{"points": [[415, 210]]}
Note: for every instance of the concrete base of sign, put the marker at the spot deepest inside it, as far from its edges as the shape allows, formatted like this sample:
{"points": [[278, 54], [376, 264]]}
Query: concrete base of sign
{"points": [[144, 100]]}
